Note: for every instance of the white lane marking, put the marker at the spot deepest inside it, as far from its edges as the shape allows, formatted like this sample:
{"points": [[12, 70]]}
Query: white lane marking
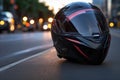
{"points": [[27, 50], [22, 60], [32, 49]]}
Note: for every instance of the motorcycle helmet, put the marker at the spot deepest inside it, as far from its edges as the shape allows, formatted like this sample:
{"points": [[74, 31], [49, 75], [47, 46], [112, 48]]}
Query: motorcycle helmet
{"points": [[80, 32]]}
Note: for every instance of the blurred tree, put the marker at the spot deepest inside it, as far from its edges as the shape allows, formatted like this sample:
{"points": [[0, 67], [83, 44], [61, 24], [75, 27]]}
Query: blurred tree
{"points": [[6, 5], [31, 8]]}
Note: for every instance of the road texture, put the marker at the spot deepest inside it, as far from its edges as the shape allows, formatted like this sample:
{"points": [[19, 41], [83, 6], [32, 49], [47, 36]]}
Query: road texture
{"points": [[47, 66]]}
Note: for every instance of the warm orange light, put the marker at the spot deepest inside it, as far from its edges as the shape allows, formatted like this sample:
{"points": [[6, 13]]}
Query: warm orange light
{"points": [[12, 21], [41, 20], [27, 24], [12, 28], [19, 26], [12, 1], [24, 22]]}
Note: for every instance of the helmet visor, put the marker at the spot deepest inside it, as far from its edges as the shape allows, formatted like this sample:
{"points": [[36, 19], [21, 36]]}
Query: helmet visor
{"points": [[86, 22]]}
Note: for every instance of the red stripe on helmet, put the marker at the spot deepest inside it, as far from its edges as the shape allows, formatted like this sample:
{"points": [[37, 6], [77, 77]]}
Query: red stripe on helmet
{"points": [[77, 13], [72, 40], [81, 51]]}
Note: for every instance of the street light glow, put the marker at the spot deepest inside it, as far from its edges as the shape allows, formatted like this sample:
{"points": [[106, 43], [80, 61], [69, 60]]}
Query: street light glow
{"points": [[50, 19], [56, 5], [25, 18], [32, 21], [45, 27]]}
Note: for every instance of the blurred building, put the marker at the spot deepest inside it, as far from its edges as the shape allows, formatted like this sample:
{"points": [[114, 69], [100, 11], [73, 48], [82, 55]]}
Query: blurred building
{"points": [[115, 7], [1, 5], [110, 8], [103, 5]]}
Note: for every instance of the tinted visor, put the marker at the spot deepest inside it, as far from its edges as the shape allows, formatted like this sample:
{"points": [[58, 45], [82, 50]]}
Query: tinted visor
{"points": [[85, 22]]}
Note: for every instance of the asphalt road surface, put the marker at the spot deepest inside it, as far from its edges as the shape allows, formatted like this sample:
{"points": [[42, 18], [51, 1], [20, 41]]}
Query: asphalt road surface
{"points": [[45, 65], [14, 47]]}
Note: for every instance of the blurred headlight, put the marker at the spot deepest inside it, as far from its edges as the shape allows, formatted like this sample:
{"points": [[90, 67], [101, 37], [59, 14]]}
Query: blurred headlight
{"points": [[45, 27], [32, 21], [111, 24], [2, 22], [50, 19], [25, 18]]}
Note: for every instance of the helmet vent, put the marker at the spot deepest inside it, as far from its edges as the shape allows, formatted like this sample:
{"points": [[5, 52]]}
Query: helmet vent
{"points": [[96, 35]]}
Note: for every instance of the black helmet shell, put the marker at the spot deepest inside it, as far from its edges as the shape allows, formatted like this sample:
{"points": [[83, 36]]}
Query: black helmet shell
{"points": [[80, 32]]}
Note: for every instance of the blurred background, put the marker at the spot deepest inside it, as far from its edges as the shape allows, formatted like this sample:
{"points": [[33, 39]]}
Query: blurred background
{"points": [[25, 32], [28, 15], [37, 15]]}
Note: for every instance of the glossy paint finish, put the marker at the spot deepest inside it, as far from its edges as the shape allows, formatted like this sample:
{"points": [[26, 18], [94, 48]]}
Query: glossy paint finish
{"points": [[71, 44]]}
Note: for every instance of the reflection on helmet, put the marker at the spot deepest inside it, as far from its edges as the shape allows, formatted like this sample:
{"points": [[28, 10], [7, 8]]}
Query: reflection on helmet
{"points": [[80, 32]]}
